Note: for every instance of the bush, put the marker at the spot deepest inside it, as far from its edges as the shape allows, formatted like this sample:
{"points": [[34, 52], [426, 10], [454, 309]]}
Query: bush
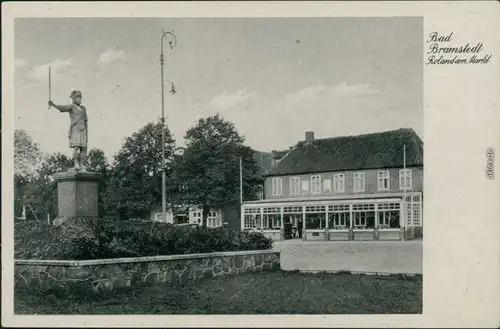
{"points": [[84, 238]]}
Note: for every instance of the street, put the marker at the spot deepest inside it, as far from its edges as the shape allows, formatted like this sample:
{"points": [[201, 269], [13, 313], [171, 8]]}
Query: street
{"points": [[362, 256]]}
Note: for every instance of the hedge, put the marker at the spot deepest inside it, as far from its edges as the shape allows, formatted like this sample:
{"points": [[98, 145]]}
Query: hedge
{"points": [[82, 238]]}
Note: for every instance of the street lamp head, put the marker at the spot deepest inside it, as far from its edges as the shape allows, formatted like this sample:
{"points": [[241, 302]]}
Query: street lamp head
{"points": [[172, 88], [172, 42]]}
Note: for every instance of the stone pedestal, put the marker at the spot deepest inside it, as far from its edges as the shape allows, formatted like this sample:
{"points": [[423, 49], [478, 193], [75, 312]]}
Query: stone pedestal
{"points": [[77, 195]]}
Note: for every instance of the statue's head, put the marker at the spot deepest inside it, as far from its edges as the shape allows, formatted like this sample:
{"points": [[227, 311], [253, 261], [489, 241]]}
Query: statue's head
{"points": [[76, 96]]}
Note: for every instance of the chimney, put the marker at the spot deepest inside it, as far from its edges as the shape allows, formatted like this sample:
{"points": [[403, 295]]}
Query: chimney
{"points": [[309, 136], [274, 155]]}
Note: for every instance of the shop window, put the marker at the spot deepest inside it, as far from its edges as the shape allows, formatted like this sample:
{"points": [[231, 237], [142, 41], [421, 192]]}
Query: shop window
{"points": [[316, 221], [272, 221], [388, 219], [364, 220], [338, 220]]}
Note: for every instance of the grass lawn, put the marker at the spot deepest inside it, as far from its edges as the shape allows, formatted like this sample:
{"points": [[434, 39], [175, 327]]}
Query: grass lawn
{"points": [[254, 293]]}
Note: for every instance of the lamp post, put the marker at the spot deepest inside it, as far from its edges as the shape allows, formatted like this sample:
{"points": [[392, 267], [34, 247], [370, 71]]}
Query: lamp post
{"points": [[172, 43]]}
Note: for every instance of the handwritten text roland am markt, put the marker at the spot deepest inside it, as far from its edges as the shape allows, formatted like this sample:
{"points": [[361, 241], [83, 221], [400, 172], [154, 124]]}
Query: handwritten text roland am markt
{"points": [[442, 51]]}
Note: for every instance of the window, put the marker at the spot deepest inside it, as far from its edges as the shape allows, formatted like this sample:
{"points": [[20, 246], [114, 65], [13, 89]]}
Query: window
{"points": [[250, 216], [277, 186], [388, 219], [388, 215], [272, 220], [383, 180], [315, 217], [405, 179], [213, 218], [316, 221], [295, 185], [252, 221], [338, 216], [338, 221], [413, 210], [364, 216], [316, 184], [364, 220], [339, 183], [359, 182], [195, 217], [417, 211], [312, 209], [292, 210], [408, 211]]}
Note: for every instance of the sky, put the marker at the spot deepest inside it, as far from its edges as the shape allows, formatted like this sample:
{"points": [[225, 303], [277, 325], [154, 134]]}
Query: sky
{"points": [[273, 78]]}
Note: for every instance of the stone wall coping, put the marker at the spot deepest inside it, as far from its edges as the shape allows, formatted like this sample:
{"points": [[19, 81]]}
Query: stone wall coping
{"points": [[78, 263]]}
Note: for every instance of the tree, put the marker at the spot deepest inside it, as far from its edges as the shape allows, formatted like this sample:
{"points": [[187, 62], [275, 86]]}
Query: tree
{"points": [[136, 174], [27, 157], [41, 193], [97, 162], [207, 173]]}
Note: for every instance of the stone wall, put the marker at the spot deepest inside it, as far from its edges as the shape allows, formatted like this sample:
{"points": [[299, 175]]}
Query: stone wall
{"points": [[108, 274]]}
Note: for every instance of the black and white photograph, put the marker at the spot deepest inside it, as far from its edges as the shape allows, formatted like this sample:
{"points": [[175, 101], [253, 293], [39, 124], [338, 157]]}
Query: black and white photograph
{"points": [[254, 159], [234, 165]]}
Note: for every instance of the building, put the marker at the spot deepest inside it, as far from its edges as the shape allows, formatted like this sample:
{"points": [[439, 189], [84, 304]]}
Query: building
{"points": [[229, 215], [354, 187], [186, 215]]}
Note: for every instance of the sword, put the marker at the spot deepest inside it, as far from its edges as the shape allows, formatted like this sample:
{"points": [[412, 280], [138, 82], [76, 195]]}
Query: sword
{"points": [[50, 88]]}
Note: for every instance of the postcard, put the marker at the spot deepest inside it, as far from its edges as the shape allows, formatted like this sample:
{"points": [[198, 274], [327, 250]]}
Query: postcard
{"points": [[251, 164]]}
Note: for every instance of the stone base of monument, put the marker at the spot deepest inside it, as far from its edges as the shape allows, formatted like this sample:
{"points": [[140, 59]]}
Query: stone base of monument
{"points": [[77, 195]]}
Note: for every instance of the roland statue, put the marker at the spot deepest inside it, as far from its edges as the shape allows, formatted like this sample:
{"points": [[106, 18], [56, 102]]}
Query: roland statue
{"points": [[78, 129]]}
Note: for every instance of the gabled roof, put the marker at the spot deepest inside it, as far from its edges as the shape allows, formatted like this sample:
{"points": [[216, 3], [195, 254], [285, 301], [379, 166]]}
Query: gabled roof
{"points": [[264, 161], [368, 151]]}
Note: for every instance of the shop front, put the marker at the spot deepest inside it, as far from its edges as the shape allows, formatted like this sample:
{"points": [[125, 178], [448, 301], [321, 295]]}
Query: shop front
{"points": [[355, 219]]}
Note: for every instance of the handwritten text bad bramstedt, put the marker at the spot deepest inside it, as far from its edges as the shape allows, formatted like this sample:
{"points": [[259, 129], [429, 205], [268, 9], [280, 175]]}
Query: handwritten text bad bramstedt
{"points": [[440, 51]]}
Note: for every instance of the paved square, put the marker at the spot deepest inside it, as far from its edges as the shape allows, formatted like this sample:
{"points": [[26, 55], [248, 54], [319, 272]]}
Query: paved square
{"points": [[363, 256]]}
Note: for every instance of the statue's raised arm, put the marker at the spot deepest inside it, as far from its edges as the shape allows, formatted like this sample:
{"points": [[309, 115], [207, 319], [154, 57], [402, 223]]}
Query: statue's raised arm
{"points": [[61, 108]]}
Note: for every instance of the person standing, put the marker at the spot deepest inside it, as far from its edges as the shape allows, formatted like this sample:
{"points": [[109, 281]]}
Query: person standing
{"points": [[300, 225]]}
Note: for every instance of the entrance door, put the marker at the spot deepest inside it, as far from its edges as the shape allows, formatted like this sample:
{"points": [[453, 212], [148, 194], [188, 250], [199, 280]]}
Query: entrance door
{"points": [[290, 223]]}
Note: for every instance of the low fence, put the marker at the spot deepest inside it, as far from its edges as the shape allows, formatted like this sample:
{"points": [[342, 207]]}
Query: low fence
{"points": [[109, 274], [403, 234]]}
